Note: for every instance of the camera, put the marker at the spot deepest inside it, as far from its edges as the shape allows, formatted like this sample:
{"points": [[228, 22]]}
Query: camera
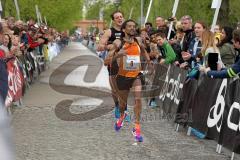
{"points": [[171, 19]]}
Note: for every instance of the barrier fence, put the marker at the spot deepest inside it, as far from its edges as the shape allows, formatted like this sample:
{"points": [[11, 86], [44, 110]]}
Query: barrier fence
{"points": [[18, 72], [209, 106]]}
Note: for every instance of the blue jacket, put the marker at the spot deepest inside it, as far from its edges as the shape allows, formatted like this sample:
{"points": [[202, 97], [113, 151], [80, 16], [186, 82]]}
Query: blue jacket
{"points": [[191, 48], [233, 71], [192, 60], [24, 39], [3, 80]]}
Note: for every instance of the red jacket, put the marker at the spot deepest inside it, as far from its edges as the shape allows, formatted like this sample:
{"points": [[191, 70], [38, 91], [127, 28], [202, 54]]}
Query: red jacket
{"points": [[2, 54], [32, 44]]}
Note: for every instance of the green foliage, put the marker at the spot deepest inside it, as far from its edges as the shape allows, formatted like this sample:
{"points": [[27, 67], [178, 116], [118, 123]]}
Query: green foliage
{"points": [[93, 12], [59, 13], [234, 15], [198, 9]]}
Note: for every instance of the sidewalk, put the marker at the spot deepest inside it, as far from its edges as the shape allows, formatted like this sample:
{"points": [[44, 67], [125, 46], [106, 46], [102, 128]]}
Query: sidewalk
{"points": [[46, 132]]}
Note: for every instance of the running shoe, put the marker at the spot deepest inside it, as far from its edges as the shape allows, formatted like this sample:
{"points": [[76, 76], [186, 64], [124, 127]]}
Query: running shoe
{"points": [[117, 111], [137, 133], [153, 104], [127, 117], [119, 123]]}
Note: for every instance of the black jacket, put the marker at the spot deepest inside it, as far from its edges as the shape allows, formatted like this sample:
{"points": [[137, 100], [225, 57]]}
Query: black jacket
{"points": [[189, 36]]}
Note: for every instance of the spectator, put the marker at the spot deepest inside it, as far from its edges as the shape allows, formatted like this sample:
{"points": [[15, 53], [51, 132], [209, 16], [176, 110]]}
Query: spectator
{"points": [[18, 27], [32, 36], [226, 47], [176, 43], [3, 69], [149, 27], [162, 26], [11, 22], [194, 47], [168, 55], [150, 47], [232, 71], [15, 49], [186, 22], [30, 23], [6, 29], [6, 45], [209, 46], [218, 34], [154, 52]]}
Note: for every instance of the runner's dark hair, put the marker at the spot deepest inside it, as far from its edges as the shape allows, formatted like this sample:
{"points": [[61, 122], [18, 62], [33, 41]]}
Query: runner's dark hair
{"points": [[117, 11], [125, 24]]}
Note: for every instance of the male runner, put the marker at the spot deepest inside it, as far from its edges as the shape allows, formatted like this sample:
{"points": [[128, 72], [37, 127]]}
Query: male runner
{"points": [[127, 51], [105, 43]]}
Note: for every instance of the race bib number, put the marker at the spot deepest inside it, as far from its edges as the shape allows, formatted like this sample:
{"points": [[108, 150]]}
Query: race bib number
{"points": [[132, 62], [118, 35]]}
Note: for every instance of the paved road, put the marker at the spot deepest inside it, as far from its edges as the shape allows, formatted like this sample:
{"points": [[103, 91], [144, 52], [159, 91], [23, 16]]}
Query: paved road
{"points": [[56, 121]]}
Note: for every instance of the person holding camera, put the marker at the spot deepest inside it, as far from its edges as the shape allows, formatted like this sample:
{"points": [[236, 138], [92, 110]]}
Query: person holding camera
{"points": [[34, 38], [162, 26]]}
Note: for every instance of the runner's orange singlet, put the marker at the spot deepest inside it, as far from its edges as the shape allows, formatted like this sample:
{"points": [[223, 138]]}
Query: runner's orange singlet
{"points": [[130, 65]]}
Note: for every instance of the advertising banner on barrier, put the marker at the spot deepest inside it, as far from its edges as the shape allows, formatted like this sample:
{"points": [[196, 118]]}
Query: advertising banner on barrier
{"points": [[216, 112], [234, 120], [184, 108], [212, 106], [16, 72], [175, 88], [215, 109], [157, 78], [208, 105], [171, 90], [204, 102], [164, 100], [15, 82], [229, 134]]}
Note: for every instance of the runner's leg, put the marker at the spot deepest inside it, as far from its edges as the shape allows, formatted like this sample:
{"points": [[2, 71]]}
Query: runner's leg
{"points": [[123, 95], [137, 89], [112, 80]]}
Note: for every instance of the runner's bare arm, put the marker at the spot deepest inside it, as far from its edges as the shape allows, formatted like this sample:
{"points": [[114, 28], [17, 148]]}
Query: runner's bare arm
{"points": [[102, 46], [143, 50], [120, 52], [110, 55], [112, 52]]}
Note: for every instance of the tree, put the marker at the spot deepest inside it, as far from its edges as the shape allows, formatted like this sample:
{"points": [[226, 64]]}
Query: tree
{"points": [[223, 17], [60, 13], [3, 7], [198, 10]]}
